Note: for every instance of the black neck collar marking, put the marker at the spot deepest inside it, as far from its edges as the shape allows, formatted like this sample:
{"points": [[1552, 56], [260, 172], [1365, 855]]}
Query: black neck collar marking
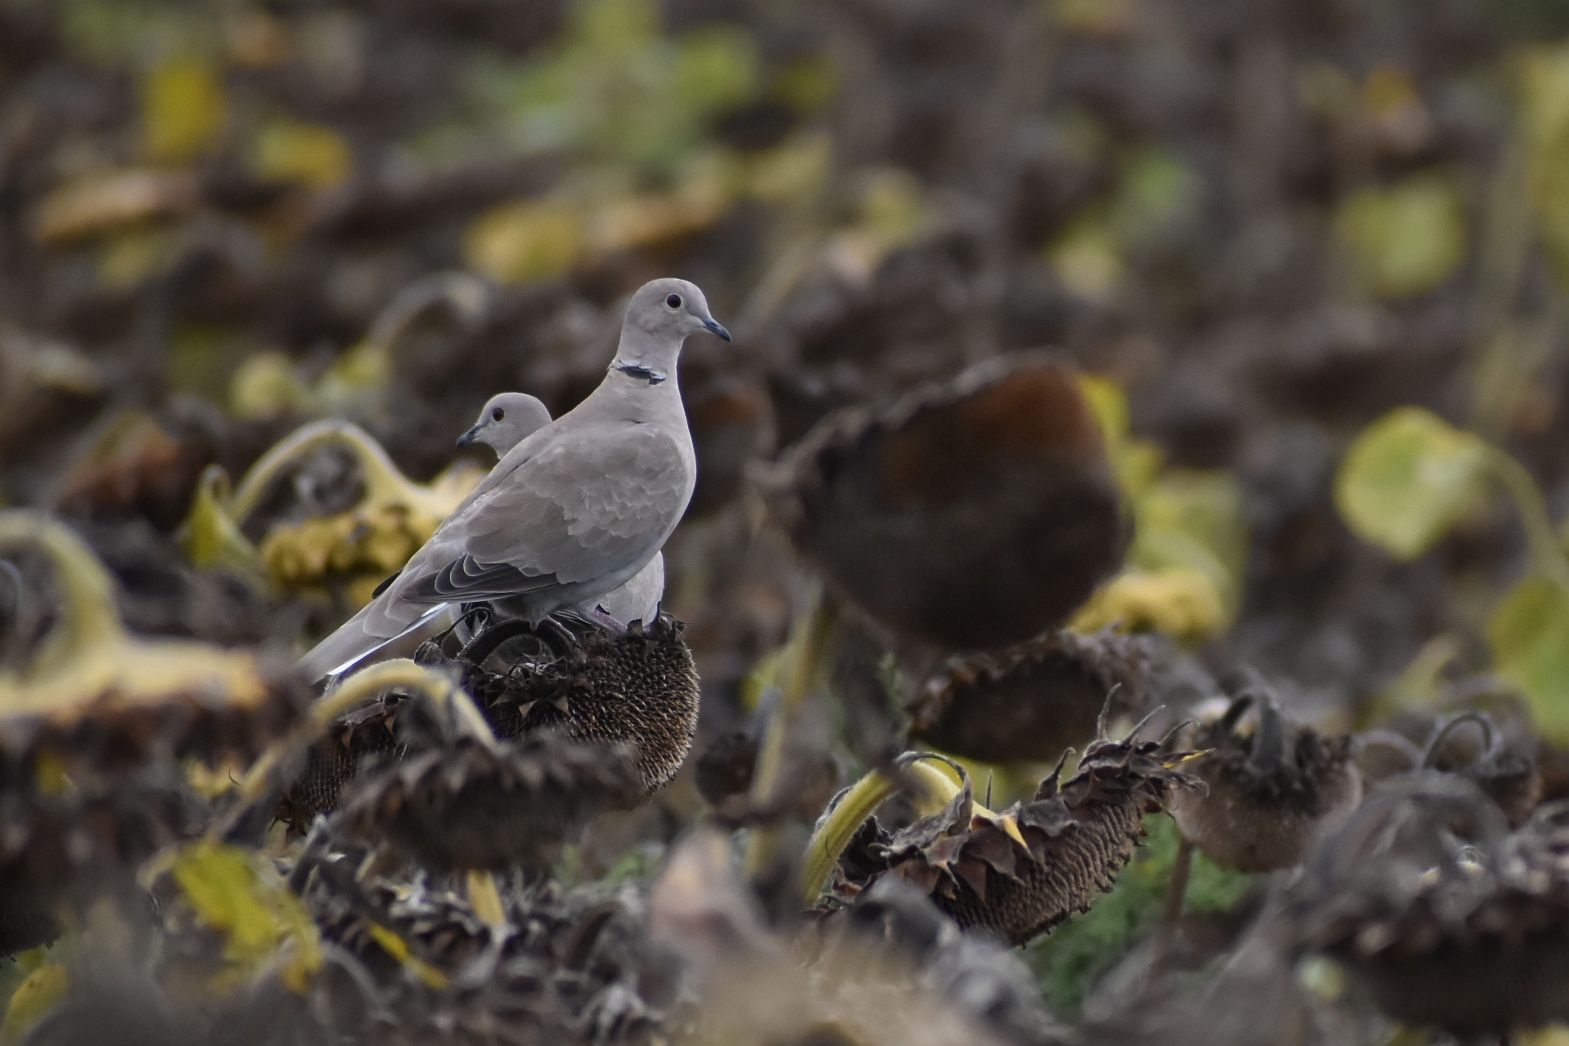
{"points": [[637, 370]]}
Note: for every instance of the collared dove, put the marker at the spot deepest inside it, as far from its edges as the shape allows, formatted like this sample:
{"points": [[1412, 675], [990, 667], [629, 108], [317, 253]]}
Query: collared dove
{"points": [[505, 420], [573, 511]]}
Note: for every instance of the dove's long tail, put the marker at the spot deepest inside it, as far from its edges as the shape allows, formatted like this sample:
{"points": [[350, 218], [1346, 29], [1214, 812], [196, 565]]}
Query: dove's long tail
{"points": [[352, 642]]}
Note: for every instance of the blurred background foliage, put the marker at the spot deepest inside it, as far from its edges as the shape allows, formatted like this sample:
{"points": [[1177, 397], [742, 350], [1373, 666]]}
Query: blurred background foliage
{"points": [[1259, 227], [1310, 254]]}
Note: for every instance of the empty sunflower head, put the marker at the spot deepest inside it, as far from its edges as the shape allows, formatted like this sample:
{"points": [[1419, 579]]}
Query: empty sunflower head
{"points": [[1034, 700], [971, 514], [1023, 871], [1271, 786]]}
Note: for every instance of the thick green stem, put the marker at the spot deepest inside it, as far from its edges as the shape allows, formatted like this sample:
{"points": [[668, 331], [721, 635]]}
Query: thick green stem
{"points": [[89, 624], [813, 650], [925, 781], [1546, 551]]}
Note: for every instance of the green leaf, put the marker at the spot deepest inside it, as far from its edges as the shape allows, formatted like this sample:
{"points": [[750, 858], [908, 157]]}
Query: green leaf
{"points": [[1408, 479], [1526, 634], [1403, 240]]}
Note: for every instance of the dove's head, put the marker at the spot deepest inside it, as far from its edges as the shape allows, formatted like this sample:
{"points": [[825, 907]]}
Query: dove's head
{"points": [[668, 310], [506, 418]]}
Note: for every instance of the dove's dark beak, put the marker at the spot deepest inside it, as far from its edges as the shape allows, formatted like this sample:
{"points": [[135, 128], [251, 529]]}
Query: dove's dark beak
{"points": [[716, 328], [469, 437]]}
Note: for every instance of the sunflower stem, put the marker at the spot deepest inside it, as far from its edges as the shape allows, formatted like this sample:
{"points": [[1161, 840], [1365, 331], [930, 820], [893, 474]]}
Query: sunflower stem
{"points": [[89, 627], [383, 481], [929, 787], [813, 650], [1546, 550]]}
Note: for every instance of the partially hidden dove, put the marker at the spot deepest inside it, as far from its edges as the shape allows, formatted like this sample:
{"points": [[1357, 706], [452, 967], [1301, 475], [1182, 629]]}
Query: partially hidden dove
{"points": [[505, 420], [573, 511]]}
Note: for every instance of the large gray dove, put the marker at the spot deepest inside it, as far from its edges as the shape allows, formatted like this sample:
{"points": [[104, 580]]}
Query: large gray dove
{"points": [[573, 511], [505, 420]]}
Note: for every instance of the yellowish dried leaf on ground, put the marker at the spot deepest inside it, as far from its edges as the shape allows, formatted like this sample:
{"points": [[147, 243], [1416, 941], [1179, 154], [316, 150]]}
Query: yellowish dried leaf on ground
{"points": [[184, 110]]}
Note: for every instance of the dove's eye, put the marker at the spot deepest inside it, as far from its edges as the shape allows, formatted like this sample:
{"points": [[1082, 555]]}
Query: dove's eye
{"points": [[497, 414], [674, 301]]}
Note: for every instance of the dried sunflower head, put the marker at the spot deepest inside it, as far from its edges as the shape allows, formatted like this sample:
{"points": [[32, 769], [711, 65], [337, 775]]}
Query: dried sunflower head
{"points": [[638, 691], [1023, 871], [473, 804], [1034, 700], [1447, 918], [1504, 771], [1269, 790], [971, 514]]}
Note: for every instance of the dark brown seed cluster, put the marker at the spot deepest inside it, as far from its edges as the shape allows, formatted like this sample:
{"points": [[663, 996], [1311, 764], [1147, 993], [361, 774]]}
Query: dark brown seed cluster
{"points": [[1450, 919], [971, 514], [471, 804], [1032, 701], [1023, 871], [638, 691], [1268, 792]]}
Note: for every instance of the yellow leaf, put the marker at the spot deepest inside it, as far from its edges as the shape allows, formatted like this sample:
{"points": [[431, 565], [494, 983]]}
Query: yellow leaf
{"points": [[183, 110], [523, 241], [293, 151], [33, 999], [231, 891]]}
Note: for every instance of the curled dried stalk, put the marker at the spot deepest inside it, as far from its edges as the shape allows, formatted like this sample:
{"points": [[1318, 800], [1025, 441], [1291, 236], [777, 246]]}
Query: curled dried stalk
{"points": [[89, 651], [384, 483], [929, 779]]}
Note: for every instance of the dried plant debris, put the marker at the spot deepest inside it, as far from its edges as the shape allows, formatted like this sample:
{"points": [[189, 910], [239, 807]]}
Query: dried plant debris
{"points": [[1269, 789], [637, 692], [1026, 869], [1507, 774], [1450, 919], [490, 805], [1032, 701], [97, 701], [970, 514], [67, 845], [988, 983]]}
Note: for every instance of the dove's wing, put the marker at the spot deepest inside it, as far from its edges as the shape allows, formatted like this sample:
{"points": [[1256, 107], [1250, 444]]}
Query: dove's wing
{"points": [[593, 505]]}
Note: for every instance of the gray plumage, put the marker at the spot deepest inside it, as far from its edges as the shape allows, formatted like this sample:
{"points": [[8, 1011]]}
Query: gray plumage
{"points": [[573, 511], [505, 420]]}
